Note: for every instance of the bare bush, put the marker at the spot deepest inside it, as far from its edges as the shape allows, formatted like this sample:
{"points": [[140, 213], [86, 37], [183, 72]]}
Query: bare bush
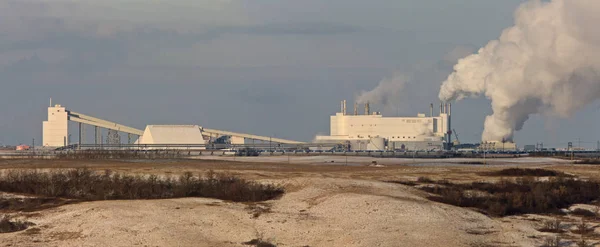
{"points": [[582, 228], [552, 226], [522, 196], [84, 184]]}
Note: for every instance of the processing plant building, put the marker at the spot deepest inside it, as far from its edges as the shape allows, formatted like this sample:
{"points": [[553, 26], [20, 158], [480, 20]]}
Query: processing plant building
{"points": [[56, 132], [368, 131], [373, 131]]}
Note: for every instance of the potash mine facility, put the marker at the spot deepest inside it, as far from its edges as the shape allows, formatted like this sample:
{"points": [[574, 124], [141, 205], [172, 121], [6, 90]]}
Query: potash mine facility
{"points": [[369, 131]]}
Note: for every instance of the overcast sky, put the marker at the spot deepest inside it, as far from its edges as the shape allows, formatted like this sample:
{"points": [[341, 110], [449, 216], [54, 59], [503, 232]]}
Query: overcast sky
{"points": [[267, 67]]}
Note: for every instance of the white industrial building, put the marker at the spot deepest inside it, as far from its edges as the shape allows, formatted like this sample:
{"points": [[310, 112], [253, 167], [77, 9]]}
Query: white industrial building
{"points": [[372, 131], [172, 134], [55, 130]]}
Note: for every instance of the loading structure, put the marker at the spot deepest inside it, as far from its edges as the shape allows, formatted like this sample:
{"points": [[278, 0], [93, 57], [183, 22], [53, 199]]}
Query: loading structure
{"points": [[56, 132]]}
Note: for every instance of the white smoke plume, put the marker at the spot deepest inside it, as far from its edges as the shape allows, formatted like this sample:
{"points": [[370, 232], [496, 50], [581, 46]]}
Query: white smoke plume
{"points": [[548, 62], [413, 88], [385, 92]]}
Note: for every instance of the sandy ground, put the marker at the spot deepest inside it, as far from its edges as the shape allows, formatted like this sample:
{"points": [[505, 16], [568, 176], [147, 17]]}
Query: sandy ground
{"points": [[324, 205]]}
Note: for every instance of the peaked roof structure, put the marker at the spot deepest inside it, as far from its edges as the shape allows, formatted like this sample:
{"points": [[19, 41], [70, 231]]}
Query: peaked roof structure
{"points": [[172, 134]]}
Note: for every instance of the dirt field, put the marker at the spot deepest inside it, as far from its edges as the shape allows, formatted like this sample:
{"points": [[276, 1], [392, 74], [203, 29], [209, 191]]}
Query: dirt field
{"points": [[326, 204]]}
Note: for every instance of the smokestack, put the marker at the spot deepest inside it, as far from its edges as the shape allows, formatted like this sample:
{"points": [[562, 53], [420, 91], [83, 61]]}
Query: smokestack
{"points": [[367, 108], [355, 108], [344, 107], [441, 108], [431, 110], [449, 108]]}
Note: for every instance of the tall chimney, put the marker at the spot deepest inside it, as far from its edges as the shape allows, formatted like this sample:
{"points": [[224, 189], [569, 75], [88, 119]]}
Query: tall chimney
{"points": [[355, 108], [441, 108], [431, 110], [449, 108], [344, 107], [367, 109]]}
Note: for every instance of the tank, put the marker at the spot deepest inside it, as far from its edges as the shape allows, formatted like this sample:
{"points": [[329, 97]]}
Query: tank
{"points": [[376, 144]]}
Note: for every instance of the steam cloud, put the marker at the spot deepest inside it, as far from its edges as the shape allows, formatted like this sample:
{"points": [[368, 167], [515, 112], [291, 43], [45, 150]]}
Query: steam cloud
{"points": [[548, 62], [385, 92]]}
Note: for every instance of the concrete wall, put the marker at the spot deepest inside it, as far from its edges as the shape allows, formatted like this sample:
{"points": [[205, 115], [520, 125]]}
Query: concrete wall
{"points": [[55, 130]]}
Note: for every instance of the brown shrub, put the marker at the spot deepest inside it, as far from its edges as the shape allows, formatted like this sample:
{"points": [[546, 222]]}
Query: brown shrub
{"points": [[524, 195], [552, 226], [8, 225], [518, 172], [583, 212], [31, 204], [84, 184], [403, 182], [259, 243], [424, 180], [582, 228]]}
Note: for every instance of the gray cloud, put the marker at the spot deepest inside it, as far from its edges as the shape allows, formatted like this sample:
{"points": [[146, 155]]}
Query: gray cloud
{"points": [[267, 67]]}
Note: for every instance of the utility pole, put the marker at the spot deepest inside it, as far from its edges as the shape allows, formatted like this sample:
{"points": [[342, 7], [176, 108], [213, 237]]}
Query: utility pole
{"points": [[598, 149], [346, 154]]}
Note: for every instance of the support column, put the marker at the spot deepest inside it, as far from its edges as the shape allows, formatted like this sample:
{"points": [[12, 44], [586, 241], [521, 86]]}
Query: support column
{"points": [[80, 135]]}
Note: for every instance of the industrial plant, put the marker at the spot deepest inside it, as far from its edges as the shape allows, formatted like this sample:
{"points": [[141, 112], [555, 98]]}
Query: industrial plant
{"points": [[369, 131], [373, 131], [56, 132]]}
